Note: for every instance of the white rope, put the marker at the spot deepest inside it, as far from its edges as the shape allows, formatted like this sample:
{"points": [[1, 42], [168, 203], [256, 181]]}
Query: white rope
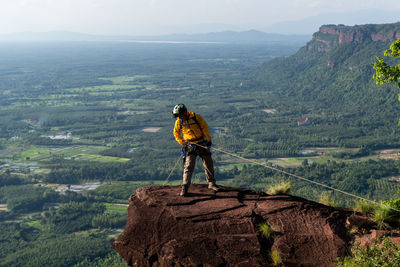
{"points": [[301, 178], [173, 169]]}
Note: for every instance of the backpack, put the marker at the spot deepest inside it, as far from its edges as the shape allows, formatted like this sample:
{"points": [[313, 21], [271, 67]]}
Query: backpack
{"points": [[195, 120]]}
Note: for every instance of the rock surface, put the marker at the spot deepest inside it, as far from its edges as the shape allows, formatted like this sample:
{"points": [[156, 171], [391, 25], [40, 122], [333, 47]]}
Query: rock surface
{"points": [[222, 229], [329, 36]]}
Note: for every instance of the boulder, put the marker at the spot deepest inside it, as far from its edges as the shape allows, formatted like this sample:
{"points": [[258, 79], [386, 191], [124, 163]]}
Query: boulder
{"points": [[222, 229]]}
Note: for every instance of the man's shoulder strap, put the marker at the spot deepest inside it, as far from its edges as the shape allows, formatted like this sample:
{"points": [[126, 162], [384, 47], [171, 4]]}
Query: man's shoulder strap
{"points": [[194, 118], [197, 122]]}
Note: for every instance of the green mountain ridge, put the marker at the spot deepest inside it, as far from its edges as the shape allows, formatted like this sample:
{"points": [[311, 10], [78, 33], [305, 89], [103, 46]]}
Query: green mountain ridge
{"points": [[334, 86], [334, 73]]}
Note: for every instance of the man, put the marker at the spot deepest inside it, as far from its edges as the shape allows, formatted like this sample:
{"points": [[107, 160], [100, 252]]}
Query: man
{"points": [[192, 133]]}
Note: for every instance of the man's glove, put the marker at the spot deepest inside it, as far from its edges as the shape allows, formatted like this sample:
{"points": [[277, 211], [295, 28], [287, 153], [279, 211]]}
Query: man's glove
{"points": [[208, 143]]}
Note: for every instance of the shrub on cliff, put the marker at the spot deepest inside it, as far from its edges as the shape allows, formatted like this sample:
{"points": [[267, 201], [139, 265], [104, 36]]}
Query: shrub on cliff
{"points": [[382, 253], [281, 188]]}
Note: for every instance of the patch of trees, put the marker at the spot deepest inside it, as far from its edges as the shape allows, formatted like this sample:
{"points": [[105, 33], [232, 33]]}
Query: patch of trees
{"points": [[46, 141], [55, 250], [355, 177], [72, 217], [29, 198], [108, 220], [362, 152], [359, 178], [24, 198], [115, 191], [8, 179], [112, 259], [145, 165]]}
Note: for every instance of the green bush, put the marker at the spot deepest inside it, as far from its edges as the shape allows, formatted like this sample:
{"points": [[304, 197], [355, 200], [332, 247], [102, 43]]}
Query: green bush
{"points": [[381, 217], [281, 188], [382, 252], [275, 257], [327, 199], [265, 230], [364, 207], [393, 214]]}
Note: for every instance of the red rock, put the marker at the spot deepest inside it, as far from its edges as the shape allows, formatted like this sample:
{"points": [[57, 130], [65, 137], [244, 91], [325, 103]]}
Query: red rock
{"points": [[221, 229], [329, 36], [360, 222]]}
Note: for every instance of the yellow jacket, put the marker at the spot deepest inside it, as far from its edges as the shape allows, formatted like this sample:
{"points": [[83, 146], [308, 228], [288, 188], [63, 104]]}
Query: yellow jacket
{"points": [[190, 130]]}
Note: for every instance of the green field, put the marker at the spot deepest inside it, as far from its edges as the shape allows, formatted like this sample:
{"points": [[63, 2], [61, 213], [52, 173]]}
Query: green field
{"points": [[39, 154], [35, 224], [117, 208]]}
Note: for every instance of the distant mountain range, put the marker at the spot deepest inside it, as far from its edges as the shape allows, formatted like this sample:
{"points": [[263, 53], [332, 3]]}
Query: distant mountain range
{"points": [[250, 36], [311, 24]]}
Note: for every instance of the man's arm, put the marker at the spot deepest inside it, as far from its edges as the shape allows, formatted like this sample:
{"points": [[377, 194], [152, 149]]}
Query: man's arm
{"points": [[177, 133]]}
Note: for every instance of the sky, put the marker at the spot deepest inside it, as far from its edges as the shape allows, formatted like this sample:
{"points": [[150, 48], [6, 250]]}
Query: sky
{"points": [[150, 17]]}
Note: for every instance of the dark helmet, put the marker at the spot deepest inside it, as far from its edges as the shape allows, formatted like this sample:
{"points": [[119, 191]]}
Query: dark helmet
{"points": [[179, 109]]}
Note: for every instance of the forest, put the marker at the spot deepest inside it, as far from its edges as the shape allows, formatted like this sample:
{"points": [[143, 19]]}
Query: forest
{"points": [[76, 115]]}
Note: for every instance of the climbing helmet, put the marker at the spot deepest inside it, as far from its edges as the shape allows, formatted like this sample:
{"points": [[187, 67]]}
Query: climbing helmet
{"points": [[179, 109]]}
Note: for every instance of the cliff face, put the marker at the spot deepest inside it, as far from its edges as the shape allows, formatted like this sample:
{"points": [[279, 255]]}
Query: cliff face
{"points": [[222, 229], [329, 36]]}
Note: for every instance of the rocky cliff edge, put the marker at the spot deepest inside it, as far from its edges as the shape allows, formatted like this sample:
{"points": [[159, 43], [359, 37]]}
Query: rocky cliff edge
{"points": [[330, 36], [222, 229]]}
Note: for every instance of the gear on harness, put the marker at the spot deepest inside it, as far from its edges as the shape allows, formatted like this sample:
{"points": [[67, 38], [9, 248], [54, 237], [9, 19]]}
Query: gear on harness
{"points": [[186, 149], [204, 147]]}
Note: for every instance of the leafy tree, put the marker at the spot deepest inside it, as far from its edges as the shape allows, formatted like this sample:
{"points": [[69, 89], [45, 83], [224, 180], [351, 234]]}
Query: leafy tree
{"points": [[386, 73]]}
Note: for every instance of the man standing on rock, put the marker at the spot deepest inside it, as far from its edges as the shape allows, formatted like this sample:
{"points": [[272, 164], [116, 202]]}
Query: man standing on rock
{"points": [[192, 133]]}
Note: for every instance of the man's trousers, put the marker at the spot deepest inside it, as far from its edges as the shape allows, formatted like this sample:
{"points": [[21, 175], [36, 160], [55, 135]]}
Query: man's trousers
{"points": [[190, 162]]}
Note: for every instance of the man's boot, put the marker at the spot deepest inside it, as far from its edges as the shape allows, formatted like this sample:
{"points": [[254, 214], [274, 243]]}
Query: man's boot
{"points": [[213, 186], [184, 190]]}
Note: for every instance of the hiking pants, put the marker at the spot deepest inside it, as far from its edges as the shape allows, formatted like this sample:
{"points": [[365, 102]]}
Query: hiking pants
{"points": [[190, 162]]}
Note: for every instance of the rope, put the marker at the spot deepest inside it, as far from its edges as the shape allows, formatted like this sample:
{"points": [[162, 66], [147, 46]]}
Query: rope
{"points": [[173, 169], [301, 178]]}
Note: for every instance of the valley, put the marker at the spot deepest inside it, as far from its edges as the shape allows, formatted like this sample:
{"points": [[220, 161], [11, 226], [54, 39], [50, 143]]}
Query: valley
{"points": [[83, 125]]}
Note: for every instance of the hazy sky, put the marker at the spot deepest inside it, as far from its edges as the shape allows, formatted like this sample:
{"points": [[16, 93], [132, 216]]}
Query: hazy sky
{"points": [[135, 17]]}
